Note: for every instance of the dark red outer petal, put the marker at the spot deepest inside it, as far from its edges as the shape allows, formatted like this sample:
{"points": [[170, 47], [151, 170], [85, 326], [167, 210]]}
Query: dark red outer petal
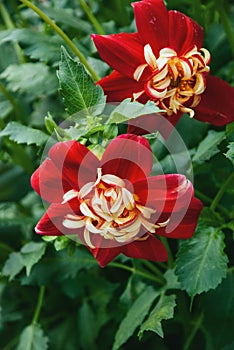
{"points": [[105, 255], [51, 222], [150, 123], [184, 33], [149, 249], [123, 52], [185, 228], [128, 157], [118, 87], [76, 164], [152, 22], [217, 102], [48, 183]]}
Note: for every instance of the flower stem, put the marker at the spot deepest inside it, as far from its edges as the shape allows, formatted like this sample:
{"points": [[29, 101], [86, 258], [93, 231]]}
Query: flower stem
{"points": [[12, 101], [39, 305], [208, 200], [10, 25], [226, 23], [91, 17], [169, 252], [192, 334], [221, 192], [64, 36], [144, 274], [153, 268]]}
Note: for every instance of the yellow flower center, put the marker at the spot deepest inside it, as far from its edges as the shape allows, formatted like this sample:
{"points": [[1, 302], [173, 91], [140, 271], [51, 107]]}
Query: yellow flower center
{"points": [[109, 209], [176, 83]]}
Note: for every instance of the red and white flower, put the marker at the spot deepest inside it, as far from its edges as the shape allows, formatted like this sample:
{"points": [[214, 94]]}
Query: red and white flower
{"points": [[164, 62], [113, 205]]}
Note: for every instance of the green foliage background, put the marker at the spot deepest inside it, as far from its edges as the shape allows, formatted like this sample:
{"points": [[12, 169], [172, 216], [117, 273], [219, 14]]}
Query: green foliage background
{"points": [[53, 294]]}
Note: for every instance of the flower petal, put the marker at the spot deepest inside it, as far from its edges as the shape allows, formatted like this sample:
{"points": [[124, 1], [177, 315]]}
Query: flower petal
{"points": [[51, 223], [165, 193], [185, 228], [217, 102], [148, 249], [75, 163], [105, 255], [47, 182], [129, 157], [123, 52], [151, 18], [118, 87], [186, 35]]}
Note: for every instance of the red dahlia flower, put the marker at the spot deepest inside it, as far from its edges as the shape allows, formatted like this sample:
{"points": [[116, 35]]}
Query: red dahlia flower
{"points": [[112, 204], [164, 62]]}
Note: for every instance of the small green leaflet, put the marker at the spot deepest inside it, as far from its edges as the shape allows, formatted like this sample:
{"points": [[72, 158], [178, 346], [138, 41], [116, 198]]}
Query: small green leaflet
{"points": [[24, 134], [28, 256], [135, 316], [127, 110], [34, 79], [201, 262], [79, 92], [87, 326], [33, 338], [164, 310], [209, 146], [230, 152]]}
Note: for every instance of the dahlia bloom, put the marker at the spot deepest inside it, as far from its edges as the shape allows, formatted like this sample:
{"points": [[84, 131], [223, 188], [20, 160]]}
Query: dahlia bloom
{"points": [[113, 205], [164, 62]]}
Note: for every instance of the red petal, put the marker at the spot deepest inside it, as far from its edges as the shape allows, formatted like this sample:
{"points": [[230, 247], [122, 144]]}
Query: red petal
{"points": [[149, 249], [75, 163], [184, 33], [118, 87], [217, 102], [151, 18], [47, 182], [129, 157], [182, 227], [163, 191], [105, 255], [150, 123], [123, 52], [51, 222]]}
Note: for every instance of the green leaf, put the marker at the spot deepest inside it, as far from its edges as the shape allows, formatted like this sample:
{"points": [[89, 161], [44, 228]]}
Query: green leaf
{"points": [[230, 152], [24, 134], [127, 110], [33, 338], [34, 79], [135, 316], [28, 256], [87, 327], [13, 265], [31, 253], [164, 310], [201, 261], [208, 147], [77, 88]]}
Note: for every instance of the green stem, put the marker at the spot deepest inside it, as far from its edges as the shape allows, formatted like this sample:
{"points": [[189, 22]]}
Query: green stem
{"points": [[10, 25], [137, 272], [208, 200], [170, 256], [39, 305], [226, 23], [5, 247], [221, 192], [12, 101], [91, 17], [153, 268], [231, 269], [192, 334], [63, 36]]}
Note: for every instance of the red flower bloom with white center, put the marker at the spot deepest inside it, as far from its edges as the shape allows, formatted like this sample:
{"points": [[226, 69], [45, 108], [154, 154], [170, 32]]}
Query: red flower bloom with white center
{"points": [[164, 62], [112, 204]]}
